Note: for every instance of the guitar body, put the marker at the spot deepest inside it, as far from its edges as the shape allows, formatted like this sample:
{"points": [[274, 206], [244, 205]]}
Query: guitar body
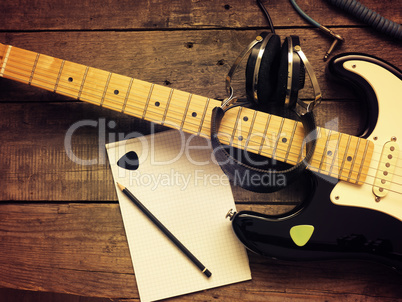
{"points": [[343, 220]]}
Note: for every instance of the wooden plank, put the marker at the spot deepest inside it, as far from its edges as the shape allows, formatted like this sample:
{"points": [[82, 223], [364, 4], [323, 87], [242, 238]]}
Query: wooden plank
{"points": [[80, 249], [193, 61], [157, 14], [35, 165], [10, 295]]}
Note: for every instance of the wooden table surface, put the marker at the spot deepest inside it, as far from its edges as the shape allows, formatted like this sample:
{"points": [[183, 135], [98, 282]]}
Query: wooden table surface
{"points": [[60, 225]]}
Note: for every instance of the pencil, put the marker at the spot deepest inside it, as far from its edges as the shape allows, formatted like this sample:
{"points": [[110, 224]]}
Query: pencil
{"points": [[202, 267]]}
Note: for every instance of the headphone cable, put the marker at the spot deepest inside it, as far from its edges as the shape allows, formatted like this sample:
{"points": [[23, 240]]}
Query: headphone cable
{"points": [[271, 25]]}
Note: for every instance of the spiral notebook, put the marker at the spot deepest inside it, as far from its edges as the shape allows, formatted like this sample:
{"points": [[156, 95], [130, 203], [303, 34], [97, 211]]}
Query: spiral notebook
{"points": [[176, 178]]}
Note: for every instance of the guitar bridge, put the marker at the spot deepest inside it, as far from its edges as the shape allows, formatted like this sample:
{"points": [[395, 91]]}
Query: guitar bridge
{"points": [[386, 168]]}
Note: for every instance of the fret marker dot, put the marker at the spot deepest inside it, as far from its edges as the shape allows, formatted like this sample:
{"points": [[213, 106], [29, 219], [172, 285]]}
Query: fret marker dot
{"points": [[194, 114], [157, 104], [284, 140], [240, 138], [70, 79], [329, 153], [349, 158], [245, 118], [116, 92]]}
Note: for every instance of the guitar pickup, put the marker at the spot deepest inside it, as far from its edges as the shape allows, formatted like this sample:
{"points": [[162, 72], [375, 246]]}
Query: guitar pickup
{"points": [[386, 168]]}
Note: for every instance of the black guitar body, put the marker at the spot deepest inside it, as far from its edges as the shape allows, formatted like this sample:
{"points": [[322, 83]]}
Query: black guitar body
{"points": [[339, 232], [320, 229]]}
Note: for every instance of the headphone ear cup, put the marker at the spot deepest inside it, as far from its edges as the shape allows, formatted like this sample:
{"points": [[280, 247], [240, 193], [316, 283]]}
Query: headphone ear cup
{"points": [[291, 75], [282, 76], [261, 84]]}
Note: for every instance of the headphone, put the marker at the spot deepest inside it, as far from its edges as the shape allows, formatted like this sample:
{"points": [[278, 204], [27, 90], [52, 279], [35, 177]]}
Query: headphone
{"points": [[275, 73]]}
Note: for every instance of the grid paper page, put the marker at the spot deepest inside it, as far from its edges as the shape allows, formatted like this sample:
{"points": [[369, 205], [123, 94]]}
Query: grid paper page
{"points": [[180, 184]]}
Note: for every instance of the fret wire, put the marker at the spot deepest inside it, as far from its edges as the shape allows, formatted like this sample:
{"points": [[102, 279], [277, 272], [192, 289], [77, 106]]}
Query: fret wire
{"points": [[300, 155], [203, 116], [295, 162], [325, 151], [205, 107], [24, 73], [333, 161], [344, 156], [291, 140], [69, 94], [28, 70], [105, 90], [33, 68], [167, 106], [299, 158], [57, 83], [185, 111], [335, 155], [354, 158], [278, 137], [264, 133], [363, 160], [59, 75], [82, 84], [235, 126], [249, 131], [148, 99], [127, 94], [3, 66]]}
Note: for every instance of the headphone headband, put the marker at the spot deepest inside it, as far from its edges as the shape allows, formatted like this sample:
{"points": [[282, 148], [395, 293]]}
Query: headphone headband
{"points": [[236, 63], [258, 64], [313, 80]]}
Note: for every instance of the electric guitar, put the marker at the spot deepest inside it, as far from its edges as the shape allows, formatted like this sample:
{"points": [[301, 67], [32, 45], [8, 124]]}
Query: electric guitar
{"points": [[355, 209]]}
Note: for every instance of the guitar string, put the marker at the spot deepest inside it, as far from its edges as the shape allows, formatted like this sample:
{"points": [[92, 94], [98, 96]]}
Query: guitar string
{"points": [[96, 96], [73, 95], [176, 127], [371, 184], [61, 90], [73, 71]]}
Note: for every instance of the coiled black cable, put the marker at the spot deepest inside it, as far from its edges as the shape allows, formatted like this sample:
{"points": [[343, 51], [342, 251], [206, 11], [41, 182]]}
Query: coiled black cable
{"points": [[370, 17]]}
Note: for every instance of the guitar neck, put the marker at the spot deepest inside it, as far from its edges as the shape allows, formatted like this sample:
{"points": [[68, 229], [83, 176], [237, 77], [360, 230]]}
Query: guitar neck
{"points": [[338, 155]]}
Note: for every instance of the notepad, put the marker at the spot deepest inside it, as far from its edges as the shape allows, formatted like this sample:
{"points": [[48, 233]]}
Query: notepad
{"points": [[177, 179]]}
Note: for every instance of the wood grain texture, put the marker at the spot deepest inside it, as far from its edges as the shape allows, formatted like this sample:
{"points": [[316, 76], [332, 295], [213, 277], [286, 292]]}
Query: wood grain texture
{"points": [[83, 246], [60, 226], [159, 14]]}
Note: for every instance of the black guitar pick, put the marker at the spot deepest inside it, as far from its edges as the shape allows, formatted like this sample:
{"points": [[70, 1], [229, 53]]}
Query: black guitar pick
{"points": [[129, 161]]}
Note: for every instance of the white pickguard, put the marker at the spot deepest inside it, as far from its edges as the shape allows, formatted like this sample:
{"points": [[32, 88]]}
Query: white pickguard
{"points": [[388, 89]]}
